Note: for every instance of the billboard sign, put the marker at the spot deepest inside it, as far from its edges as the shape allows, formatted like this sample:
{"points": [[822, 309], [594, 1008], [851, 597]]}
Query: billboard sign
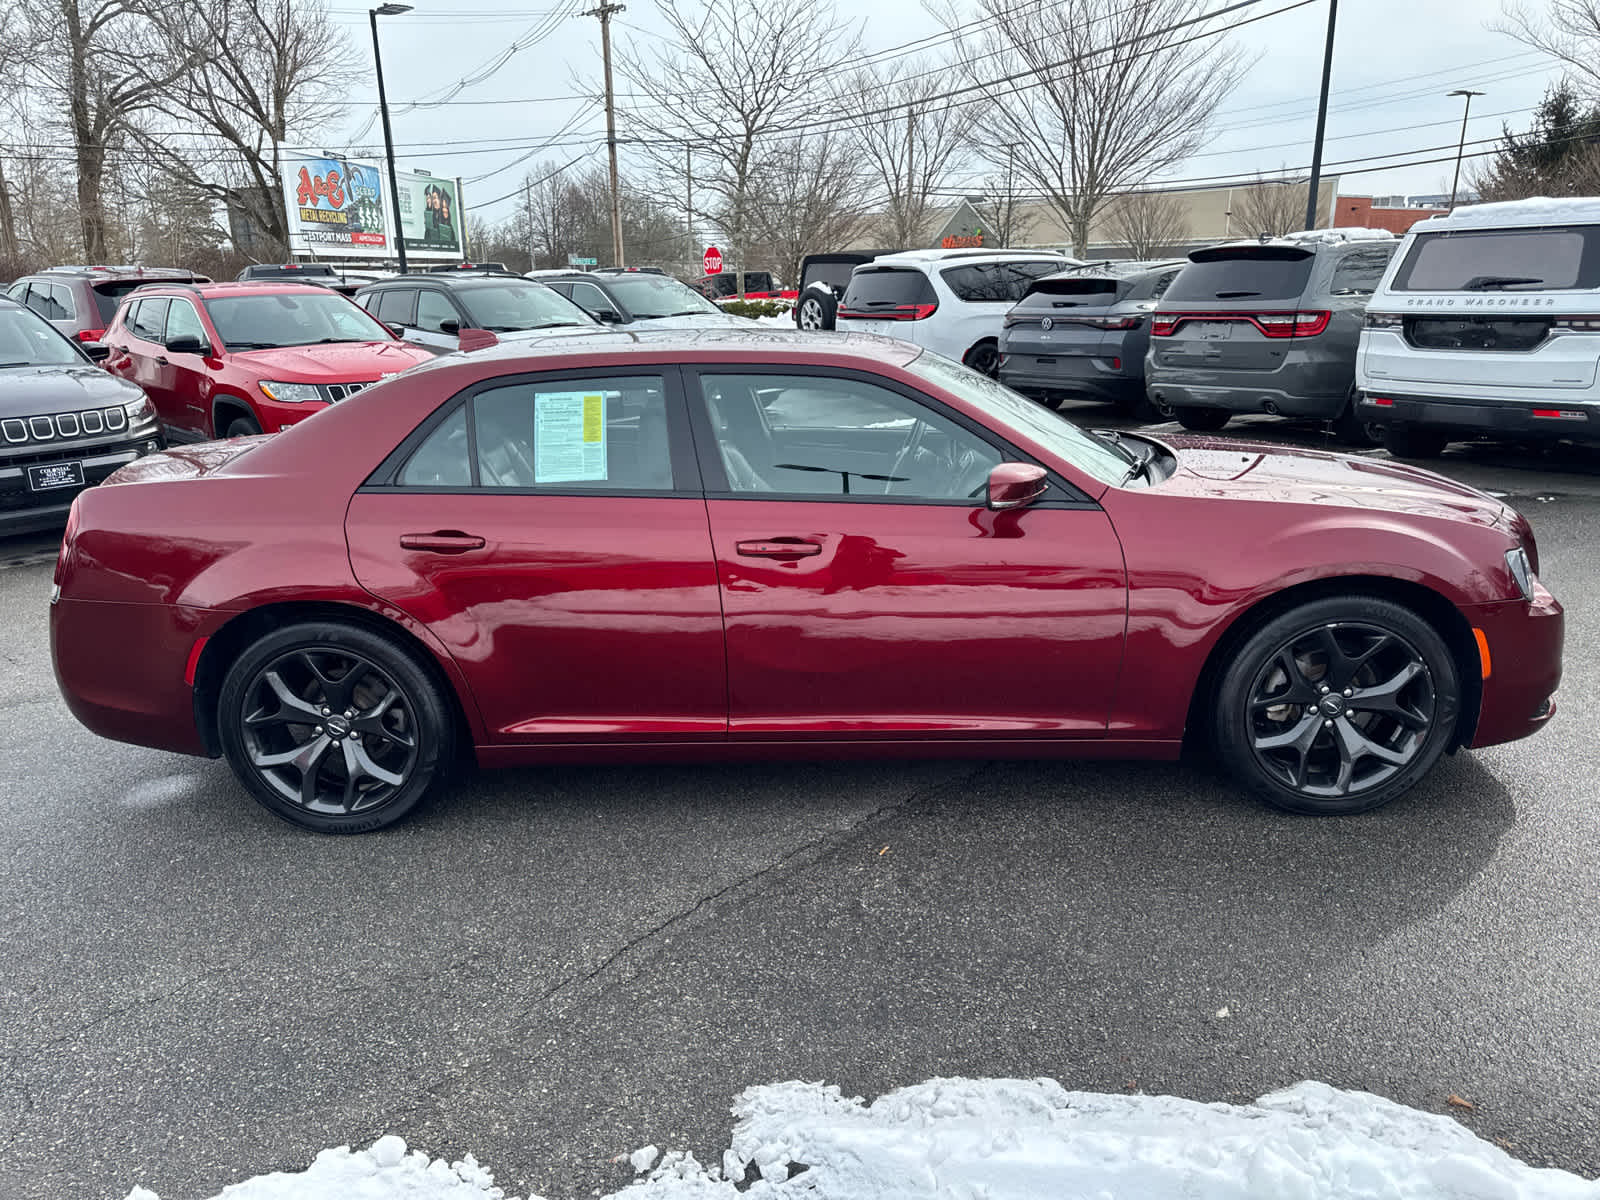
{"points": [[341, 208]]}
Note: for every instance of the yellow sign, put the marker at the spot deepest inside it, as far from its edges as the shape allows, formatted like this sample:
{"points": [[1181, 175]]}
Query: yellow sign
{"points": [[594, 418]]}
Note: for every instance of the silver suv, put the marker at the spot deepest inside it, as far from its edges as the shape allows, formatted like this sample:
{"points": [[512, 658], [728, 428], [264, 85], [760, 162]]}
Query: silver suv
{"points": [[1269, 326]]}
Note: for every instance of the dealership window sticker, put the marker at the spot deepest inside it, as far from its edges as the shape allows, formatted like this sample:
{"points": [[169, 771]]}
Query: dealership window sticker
{"points": [[569, 437]]}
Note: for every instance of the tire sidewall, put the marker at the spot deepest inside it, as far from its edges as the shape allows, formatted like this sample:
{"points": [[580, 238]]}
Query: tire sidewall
{"points": [[989, 347], [429, 711], [828, 309], [1231, 733]]}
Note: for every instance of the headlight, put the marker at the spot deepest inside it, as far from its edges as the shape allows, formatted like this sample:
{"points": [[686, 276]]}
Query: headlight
{"points": [[290, 393], [139, 410], [1521, 571]]}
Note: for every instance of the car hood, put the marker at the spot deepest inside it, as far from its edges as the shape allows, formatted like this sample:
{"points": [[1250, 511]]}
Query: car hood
{"points": [[708, 320], [38, 391], [336, 362], [1238, 470]]}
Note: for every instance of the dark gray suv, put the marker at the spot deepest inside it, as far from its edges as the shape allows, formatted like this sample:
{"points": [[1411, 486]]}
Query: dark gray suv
{"points": [[1270, 326], [1082, 334]]}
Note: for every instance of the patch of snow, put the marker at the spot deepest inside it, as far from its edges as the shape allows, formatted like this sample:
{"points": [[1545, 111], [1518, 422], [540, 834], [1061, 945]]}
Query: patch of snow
{"points": [[1537, 210], [1343, 233], [819, 285], [784, 318], [1012, 1139]]}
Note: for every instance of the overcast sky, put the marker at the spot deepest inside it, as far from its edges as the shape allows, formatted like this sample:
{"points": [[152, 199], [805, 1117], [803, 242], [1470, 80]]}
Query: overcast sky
{"points": [[1394, 60]]}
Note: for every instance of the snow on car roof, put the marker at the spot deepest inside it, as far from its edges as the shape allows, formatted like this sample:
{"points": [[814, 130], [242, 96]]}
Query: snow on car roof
{"points": [[1537, 210]]}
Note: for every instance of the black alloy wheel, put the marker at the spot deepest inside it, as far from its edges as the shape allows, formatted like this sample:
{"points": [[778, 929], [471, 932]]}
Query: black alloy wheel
{"points": [[333, 727], [1203, 420], [1338, 706], [985, 359]]}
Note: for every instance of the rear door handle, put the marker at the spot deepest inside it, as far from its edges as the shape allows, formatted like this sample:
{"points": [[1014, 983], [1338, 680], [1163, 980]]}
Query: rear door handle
{"points": [[780, 547], [162, 359], [442, 541]]}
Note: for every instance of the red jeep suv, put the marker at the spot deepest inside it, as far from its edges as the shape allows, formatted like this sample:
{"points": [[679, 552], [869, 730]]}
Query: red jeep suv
{"points": [[234, 359]]}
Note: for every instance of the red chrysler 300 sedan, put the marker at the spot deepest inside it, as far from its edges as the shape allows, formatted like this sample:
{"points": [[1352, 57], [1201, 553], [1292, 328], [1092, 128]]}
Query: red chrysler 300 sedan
{"points": [[728, 544]]}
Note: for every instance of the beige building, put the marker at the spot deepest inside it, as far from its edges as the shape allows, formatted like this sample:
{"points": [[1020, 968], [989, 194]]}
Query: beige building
{"points": [[1205, 216]]}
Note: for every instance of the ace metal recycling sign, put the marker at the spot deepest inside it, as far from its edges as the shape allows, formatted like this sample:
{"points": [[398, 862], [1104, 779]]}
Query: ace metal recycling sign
{"points": [[341, 208]]}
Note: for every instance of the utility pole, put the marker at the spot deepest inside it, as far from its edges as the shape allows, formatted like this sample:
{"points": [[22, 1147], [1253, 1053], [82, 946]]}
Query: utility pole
{"points": [[1462, 148], [390, 10], [1322, 120], [605, 12]]}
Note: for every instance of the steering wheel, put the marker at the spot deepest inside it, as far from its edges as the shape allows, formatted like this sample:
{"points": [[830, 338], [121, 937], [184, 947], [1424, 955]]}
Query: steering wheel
{"points": [[919, 430]]}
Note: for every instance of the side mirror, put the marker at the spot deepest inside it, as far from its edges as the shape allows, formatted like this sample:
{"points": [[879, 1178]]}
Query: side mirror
{"points": [[1013, 485], [187, 343], [97, 351], [398, 330], [609, 316], [451, 327]]}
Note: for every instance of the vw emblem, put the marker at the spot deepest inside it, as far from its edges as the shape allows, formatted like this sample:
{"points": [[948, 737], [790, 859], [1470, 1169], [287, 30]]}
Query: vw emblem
{"points": [[1047, 323]]}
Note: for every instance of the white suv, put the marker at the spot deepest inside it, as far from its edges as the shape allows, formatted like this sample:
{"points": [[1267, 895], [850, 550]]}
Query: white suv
{"points": [[953, 302], [1487, 323]]}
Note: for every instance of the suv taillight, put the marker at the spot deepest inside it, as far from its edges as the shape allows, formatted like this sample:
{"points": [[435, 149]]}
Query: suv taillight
{"points": [[1271, 324], [898, 312], [1383, 320], [89, 335]]}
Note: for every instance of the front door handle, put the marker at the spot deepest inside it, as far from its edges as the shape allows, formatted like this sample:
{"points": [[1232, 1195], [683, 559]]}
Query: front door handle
{"points": [[780, 547], [442, 541], [162, 360]]}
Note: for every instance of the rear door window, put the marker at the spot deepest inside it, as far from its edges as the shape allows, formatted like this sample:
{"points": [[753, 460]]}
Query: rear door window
{"points": [[396, 306], [433, 310], [1090, 291], [835, 274], [1359, 271], [148, 320], [1502, 260], [888, 287], [1248, 277], [995, 281], [43, 300]]}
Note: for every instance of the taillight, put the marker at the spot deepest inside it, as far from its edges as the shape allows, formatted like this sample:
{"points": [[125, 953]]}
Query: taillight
{"points": [[89, 335], [1384, 320], [1120, 322], [921, 312], [1271, 324], [898, 312], [1163, 325]]}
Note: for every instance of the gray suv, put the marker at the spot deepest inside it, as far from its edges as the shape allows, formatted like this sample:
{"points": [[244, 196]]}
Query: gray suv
{"points": [[1269, 326], [1082, 334], [81, 301]]}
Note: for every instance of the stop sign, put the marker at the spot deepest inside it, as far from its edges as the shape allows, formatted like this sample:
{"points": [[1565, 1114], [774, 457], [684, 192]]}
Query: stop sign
{"points": [[713, 261]]}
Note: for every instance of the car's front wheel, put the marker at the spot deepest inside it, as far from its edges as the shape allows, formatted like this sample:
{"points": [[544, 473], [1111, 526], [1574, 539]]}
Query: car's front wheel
{"points": [[334, 727], [1203, 420], [1337, 706], [1414, 443], [242, 427]]}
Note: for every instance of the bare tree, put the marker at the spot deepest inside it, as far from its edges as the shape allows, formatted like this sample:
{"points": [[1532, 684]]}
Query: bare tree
{"points": [[1272, 207], [1568, 30], [906, 156], [728, 78], [1149, 224], [1007, 216], [94, 58], [1096, 96], [811, 198], [262, 72]]}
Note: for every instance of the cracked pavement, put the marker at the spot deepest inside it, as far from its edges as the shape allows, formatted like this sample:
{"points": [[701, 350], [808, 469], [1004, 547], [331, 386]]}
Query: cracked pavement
{"points": [[557, 966]]}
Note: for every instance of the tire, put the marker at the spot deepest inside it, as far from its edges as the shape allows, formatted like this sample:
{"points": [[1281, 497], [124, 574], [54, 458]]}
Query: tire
{"points": [[1403, 442], [984, 358], [243, 427], [1203, 420], [1337, 706], [1350, 429], [385, 749], [1142, 408], [816, 311]]}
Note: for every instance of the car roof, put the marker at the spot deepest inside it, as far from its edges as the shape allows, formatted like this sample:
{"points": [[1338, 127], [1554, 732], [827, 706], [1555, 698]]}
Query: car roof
{"points": [[1538, 210], [840, 349], [491, 279], [937, 258], [108, 273], [239, 287]]}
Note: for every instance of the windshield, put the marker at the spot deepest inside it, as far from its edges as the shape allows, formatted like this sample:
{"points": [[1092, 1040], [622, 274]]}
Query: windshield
{"points": [[1045, 426], [506, 307], [292, 319], [658, 296], [28, 340]]}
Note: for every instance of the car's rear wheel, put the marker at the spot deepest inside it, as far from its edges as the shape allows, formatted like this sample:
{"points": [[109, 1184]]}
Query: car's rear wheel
{"points": [[1337, 706], [334, 727], [1203, 420], [242, 427], [1351, 429], [1414, 443], [816, 312], [984, 358]]}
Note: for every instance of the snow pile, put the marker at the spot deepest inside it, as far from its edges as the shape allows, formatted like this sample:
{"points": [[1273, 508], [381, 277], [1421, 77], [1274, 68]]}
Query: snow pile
{"points": [[1341, 233], [1018, 1140], [1536, 210], [385, 1171], [1009, 1139]]}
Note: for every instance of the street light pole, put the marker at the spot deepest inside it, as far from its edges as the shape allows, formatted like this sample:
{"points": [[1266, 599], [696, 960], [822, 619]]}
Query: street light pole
{"points": [[1322, 120], [1462, 147], [389, 10]]}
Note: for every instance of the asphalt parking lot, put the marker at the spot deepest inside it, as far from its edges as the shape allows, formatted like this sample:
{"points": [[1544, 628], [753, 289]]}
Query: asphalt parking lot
{"points": [[561, 965]]}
